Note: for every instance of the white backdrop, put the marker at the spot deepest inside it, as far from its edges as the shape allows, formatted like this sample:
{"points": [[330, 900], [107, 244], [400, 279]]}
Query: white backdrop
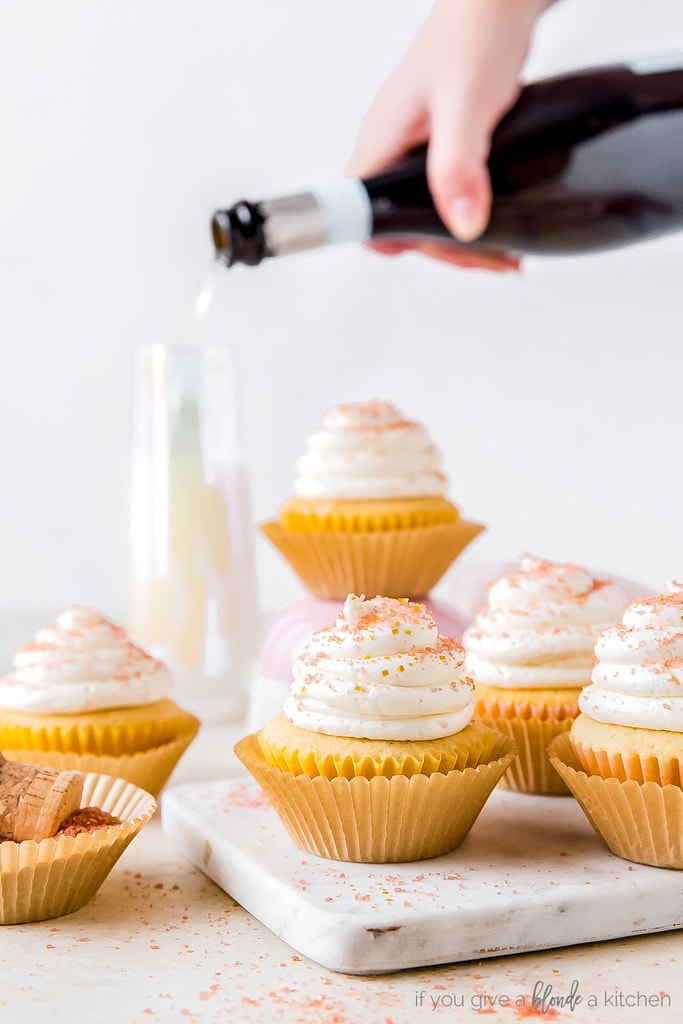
{"points": [[555, 397]]}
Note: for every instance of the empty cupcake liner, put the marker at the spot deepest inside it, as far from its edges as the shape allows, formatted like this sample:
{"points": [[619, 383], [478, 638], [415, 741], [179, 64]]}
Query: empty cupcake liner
{"points": [[378, 820], [639, 821], [53, 877], [394, 563]]}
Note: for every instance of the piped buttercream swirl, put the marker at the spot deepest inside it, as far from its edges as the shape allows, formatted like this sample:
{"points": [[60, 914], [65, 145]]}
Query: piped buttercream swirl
{"points": [[81, 663], [381, 672], [369, 450], [538, 626], [638, 676]]}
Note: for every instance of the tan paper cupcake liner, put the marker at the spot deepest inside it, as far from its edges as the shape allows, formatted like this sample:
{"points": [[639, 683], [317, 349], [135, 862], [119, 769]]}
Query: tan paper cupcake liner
{"points": [[41, 880], [532, 771], [394, 563], [642, 822], [378, 820], [149, 769]]}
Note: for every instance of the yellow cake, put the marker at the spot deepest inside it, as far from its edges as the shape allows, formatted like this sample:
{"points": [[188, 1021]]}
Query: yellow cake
{"points": [[625, 752], [623, 757], [303, 752], [529, 653], [310, 515], [375, 757], [81, 696], [370, 512]]}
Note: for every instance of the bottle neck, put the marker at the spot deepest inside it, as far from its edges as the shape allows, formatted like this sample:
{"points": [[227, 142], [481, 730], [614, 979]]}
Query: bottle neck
{"points": [[251, 232]]}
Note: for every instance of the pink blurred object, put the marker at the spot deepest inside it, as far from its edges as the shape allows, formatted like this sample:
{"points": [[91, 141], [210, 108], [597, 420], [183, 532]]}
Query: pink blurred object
{"points": [[287, 637]]}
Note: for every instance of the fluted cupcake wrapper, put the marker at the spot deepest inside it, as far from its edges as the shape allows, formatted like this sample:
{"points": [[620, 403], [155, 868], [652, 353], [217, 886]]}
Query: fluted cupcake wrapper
{"points": [[378, 820], [532, 771], [394, 563], [149, 769], [41, 880], [639, 821]]}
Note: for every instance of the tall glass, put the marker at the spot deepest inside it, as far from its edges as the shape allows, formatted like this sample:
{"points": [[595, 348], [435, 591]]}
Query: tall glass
{"points": [[191, 582]]}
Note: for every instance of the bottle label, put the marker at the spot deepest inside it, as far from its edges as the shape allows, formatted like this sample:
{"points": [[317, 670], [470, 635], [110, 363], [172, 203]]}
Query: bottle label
{"points": [[346, 210], [654, 65]]}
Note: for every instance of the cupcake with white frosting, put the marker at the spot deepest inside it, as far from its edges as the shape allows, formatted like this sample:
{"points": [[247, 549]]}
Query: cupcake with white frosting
{"points": [[631, 721], [529, 651], [623, 758], [376, 756], [81, 695], [370, 512]]}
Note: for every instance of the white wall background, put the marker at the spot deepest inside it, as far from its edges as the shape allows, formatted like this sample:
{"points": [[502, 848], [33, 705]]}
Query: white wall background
{"points": [[555, 397]]}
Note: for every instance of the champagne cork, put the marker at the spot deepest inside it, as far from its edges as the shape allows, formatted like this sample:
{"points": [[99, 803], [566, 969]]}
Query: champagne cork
{"points": [[34, 801]]}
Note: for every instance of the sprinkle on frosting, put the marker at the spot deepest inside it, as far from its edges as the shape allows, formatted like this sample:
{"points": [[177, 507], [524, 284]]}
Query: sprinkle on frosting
{"points": [[82, 662], [538, 627], [381, 672], [369, 450], [637, 679]]}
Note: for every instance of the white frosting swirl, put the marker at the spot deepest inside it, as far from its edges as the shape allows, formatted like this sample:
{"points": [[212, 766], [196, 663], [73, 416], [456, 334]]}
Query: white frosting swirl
{"points": [[638, 677], [381, 672], [537, 630], [82, 663], [369, 450]]}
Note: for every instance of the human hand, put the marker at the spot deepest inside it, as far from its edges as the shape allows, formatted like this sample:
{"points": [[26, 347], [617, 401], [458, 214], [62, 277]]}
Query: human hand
{"points": [[457, 80]]}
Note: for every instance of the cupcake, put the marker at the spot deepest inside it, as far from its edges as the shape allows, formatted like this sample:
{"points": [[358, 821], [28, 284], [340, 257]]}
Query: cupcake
{"points": [[529, 653], [375, 757], [288, 635], [60, 835], [82, 696], [623, 757], [370, 512]]}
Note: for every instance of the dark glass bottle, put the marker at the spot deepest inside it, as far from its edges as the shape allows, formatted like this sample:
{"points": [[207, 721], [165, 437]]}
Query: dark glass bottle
{"points": [[584, 161]]}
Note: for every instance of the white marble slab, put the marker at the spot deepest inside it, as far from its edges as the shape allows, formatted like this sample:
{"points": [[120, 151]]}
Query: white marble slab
{"points": [[531, 875]]}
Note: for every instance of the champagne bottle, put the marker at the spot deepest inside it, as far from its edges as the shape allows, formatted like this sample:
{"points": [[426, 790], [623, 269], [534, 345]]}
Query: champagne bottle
{"points": [[584, 161]]}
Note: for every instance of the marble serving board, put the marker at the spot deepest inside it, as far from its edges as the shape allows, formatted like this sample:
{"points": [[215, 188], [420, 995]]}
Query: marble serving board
{"points": [[532, 874]]}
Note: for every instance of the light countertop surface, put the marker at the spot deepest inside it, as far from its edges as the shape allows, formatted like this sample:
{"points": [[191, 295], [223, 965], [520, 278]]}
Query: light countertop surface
{"points": [[161, 942]]}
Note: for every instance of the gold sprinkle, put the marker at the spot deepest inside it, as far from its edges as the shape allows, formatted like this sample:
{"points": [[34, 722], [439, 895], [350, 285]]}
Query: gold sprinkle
{"points": [[401, 668], [385, 671]]}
